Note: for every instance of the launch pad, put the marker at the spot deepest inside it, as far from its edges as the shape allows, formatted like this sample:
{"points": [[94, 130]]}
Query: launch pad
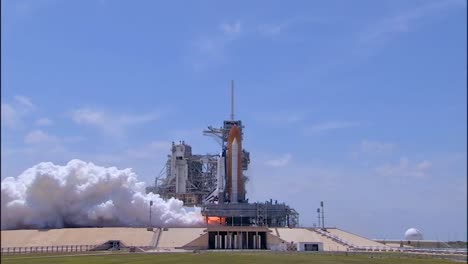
{"points": [[217, 182], [251, 214]]}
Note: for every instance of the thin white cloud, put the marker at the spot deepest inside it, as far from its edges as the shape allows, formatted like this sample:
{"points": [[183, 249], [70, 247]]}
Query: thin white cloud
{"points": [[24, 101], [405, 169], [107, 159], [376, 147], [44, 122], [9, 115], [218, 42], [282, 161], [406, 21], [271, 174], [369, 148], [110, 123], [331, 125], [212, 49], [276, 28], [73, 139], [88, 116], [425, 165], [231, 29], [39, 137], [20, 11], [270, 29], [14, 112], [153, 149], [282, 117]]}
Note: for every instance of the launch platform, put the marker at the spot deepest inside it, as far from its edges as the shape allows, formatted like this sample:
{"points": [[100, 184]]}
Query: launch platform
{"points": [[217, 182]]}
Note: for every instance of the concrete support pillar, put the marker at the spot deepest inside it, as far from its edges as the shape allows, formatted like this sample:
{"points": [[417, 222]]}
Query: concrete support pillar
{"points": [[256, 240], [247, 240], [235, 240], [232, 240], [239, 241]]}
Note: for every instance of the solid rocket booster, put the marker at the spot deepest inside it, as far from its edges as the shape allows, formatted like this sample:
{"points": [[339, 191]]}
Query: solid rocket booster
{"points": [[234, 166], [220, 174]]}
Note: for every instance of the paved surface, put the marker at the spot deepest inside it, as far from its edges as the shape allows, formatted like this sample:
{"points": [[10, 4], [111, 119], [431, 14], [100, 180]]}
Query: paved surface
{"points": [[169, 240], [354, 239], [75, 236], [304, 235], [179, 237]]}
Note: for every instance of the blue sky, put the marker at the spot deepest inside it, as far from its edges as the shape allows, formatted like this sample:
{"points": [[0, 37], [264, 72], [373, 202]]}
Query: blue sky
{"points": [[361, 104]]}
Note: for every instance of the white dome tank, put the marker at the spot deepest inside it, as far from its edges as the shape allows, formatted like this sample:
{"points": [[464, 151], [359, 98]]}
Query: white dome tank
{"points": [[413, 234]]}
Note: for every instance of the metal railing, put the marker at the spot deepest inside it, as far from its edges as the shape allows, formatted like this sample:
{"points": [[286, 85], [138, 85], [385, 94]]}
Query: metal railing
{"points": [[48, 249], [412, 250], [335, 238], [66, 249]]}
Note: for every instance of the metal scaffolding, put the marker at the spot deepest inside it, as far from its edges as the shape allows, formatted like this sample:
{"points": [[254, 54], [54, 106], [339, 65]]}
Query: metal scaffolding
{"points": [[253, 214], [197, 180], [201, 178]]}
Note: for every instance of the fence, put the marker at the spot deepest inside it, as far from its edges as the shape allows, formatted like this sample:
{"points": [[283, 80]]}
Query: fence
{"points": [[47, 249], [413, 250], [353, 247]]}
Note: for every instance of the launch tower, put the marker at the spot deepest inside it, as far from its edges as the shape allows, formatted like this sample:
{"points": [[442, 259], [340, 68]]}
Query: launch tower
{"points": [[217, 182]]}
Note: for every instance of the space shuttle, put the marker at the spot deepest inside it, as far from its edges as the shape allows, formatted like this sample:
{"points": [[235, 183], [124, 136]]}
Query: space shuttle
{"points": [[235, 181], [230, 185]]}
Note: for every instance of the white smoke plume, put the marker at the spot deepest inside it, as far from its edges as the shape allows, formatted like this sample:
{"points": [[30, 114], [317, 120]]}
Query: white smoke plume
{"points": [[82, 194]]}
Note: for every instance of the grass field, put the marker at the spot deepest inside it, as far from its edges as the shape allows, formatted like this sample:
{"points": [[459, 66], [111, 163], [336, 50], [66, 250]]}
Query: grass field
{"points": [[210, 257]]}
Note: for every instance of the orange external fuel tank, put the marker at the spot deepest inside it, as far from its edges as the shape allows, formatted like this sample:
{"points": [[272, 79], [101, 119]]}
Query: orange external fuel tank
{"points": [[235, 181]]}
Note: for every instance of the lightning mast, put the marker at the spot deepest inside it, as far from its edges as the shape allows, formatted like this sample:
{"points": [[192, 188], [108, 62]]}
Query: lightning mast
{"points": [[232, 100]]}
